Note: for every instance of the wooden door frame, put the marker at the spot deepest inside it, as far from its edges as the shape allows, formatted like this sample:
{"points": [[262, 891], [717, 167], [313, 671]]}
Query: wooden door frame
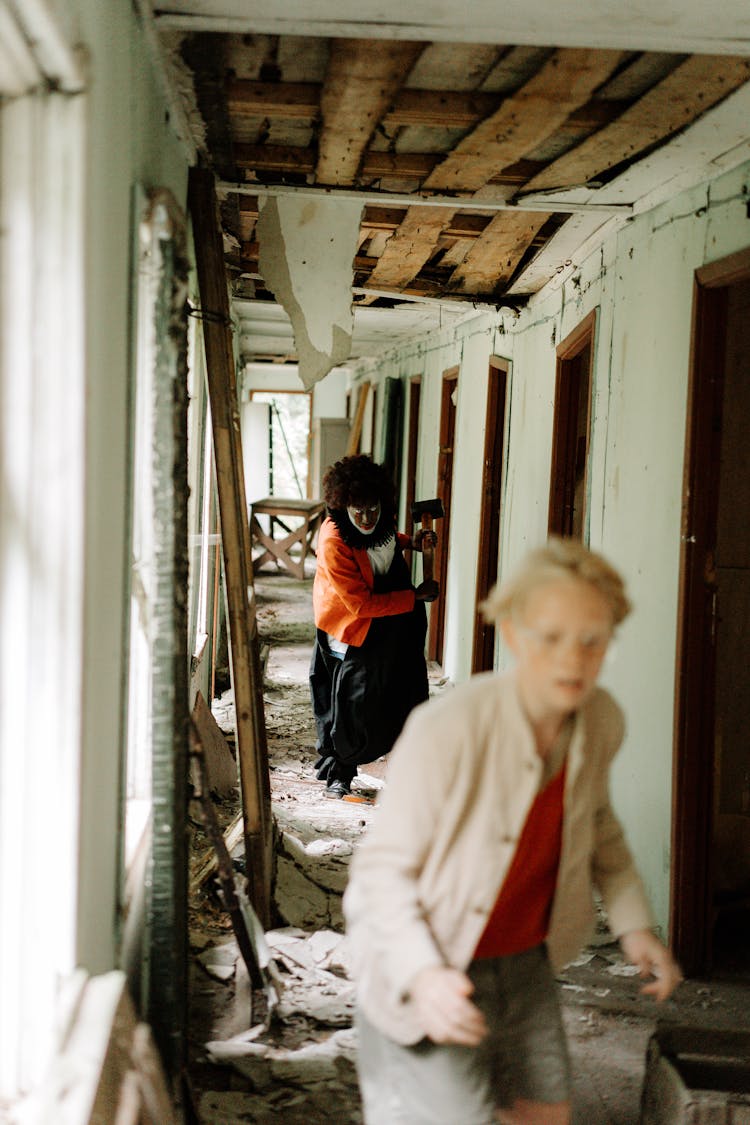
{"points": [[691, 888], [583, 335], [493, 474], [437, 612], [412, 448]]}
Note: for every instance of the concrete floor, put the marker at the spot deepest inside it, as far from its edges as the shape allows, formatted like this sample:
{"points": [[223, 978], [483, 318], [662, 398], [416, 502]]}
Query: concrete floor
{"points": [[608, 1023]]}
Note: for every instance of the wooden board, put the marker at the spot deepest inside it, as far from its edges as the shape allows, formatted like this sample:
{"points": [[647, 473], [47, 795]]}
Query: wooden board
{"points": [[692, 88], [252, 750], [495, 256], [362, 79], [221, 767], [564, 83], [356, 432], [409, 247]]}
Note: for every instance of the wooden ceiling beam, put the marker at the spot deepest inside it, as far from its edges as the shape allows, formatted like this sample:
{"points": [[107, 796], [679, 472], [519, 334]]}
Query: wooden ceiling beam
{"points": [[564, 84], [495, 257], [362, 80], [675, 102], [375, 165], [294, 101], [458, 226], [444, 109], [409, 247]]}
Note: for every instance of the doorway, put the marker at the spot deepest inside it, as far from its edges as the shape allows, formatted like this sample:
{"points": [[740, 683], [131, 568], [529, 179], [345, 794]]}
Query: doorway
{"points": [[570, 435], [448, 402], [710, 907], [483, 656], [289, 422]]}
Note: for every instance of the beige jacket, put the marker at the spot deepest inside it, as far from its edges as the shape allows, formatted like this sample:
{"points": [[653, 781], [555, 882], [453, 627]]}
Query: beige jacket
{"points": [[461, 780]]}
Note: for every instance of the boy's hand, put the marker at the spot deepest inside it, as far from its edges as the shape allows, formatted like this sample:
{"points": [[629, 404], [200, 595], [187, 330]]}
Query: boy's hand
{"points": [[441, 997], [644, 949]]}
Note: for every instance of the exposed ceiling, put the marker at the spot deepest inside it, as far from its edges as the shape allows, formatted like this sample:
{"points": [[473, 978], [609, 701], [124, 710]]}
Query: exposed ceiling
{"points": [[485, 169]]}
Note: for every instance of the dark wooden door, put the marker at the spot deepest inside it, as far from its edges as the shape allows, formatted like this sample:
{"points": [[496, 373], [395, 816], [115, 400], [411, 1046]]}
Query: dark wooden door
{"points": [[711, 790], [483, 656], [570, 435]]}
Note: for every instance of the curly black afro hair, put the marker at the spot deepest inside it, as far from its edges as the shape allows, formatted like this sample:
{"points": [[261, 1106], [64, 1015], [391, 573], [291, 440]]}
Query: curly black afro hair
{"points": [[355, 481]]}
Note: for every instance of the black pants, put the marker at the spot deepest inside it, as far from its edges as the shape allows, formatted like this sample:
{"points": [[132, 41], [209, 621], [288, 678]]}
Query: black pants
{"points": [[361, 702]]}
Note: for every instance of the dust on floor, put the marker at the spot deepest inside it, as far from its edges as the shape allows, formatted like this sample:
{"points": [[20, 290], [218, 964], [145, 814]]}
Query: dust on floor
{"points": [[300, 1070]]}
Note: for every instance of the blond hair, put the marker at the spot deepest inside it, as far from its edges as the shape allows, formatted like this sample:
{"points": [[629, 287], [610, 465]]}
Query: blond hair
{"points": [[558, 559]]}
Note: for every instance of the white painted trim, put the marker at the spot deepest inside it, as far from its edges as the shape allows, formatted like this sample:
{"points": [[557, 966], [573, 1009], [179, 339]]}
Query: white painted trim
{"points": [[673, 25], [39, 45], [418, 199], [42, 518]]}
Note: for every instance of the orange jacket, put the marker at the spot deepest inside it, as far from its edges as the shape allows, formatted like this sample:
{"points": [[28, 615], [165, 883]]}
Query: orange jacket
{"points": [[343, 601]]}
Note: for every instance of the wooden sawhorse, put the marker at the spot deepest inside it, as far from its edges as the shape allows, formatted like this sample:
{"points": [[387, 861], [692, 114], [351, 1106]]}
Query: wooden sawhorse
{"points": [[310, 512]]}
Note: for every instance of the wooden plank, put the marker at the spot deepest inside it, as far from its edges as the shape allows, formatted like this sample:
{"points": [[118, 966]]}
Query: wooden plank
{"points": [[494, 257], [300, 101], [293, 158], [445, 109], [130, 1102], [563, 84], [153, 1083], [409, 247], [203, 868], [275, 158], [252, 750], [398, 165], [355, 434], [295, 101], [459, 225], [221, 767], [684, 95], [362, 80]]}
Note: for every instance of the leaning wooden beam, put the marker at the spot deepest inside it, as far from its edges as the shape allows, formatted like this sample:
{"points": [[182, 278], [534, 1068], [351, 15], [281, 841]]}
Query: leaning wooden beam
{"points": [[409, 247], [675, 102], [252, 750], [362, 79], [206, 865], [495, 257], [224, 867], [355, 434], [563, 84]]}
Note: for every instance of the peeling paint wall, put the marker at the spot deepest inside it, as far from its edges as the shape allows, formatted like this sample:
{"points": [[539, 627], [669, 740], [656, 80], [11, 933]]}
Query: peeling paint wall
{"points": [[641, 282]]}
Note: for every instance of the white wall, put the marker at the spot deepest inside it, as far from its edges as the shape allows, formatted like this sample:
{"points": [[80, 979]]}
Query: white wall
{"points": [[641, 282], [129, 141]]}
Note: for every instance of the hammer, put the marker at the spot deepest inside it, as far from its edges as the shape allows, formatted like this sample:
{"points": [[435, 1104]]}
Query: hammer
{"points": [[424, 512]]}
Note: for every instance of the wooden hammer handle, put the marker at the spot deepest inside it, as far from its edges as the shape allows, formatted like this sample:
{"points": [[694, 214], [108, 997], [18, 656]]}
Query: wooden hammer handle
{"points": [[428, 553]]}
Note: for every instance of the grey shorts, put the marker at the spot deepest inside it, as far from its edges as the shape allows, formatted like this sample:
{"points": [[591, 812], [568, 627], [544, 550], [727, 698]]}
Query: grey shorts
{"points": [[525, 1054]]}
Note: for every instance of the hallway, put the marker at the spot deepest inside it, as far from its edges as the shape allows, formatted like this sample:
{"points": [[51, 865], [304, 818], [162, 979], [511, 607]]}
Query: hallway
{"points": [[302, 1071]]}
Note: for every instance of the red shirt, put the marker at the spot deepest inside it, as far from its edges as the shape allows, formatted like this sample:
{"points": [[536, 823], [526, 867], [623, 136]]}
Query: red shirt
{"points": [[520, 916]]}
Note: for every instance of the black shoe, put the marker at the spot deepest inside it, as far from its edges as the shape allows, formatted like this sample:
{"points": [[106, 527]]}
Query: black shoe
{"points": [[337, 789]]}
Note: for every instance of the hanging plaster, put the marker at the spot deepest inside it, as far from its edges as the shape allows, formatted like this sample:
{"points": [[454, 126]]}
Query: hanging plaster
{"points": [[307, 250]]}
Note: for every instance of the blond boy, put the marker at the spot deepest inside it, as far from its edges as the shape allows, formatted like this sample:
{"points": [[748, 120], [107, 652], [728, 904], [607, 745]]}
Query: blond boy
{"points": [[475, 882]]}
